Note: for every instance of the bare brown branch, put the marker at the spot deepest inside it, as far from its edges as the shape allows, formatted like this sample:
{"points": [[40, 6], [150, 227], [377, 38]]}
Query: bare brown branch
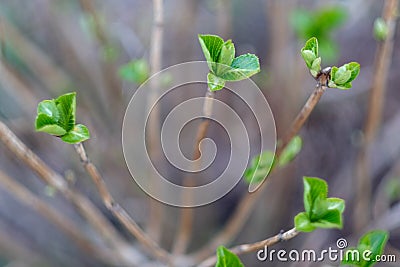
{"points": [[26, 197], [151, 246], [156, 214], [247, 248], [49, 176], [248, 201]]}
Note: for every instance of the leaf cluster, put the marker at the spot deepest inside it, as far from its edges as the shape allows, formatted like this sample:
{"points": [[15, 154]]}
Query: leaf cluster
{"points": [[57, 117], [263, 163], [340, 78], [320, 211], [223, 64], [371, 245]]}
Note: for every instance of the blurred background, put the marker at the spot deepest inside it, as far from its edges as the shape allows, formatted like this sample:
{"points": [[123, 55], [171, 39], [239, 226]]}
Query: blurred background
{"points": [[103, 51]]}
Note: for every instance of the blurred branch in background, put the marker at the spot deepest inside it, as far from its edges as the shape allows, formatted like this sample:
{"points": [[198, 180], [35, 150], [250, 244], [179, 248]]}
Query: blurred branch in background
{"points": [[383, 58], [50, 46], [187, 215], [108, 53], [83, 205], [43, 67], [156, 213], [16, 251], [386, 153], [224, 18], [247, 203], [17, 88], [185, 226], [71, 230], [125, 219], [39, 63]]}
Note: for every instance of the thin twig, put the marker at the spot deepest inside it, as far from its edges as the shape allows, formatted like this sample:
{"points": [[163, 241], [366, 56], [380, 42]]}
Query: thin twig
{"points": [[247, 248], [26, 197], [301, 118], [50, 177], [156, 213], [248, 201], [151, 246], [383, 58], [187, 214]]}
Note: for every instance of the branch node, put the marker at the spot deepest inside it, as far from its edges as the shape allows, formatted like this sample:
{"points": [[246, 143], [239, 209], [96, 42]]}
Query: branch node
{"points": [[280, 236]]}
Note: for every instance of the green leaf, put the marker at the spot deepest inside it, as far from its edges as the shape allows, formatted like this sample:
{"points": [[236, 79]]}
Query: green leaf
{"points": [[374, 242], [57, 117], [310, 51], [342, 77], [354, 68], [215, 83], [211, 46], [351, 259], [302, 223], [381, 29], [242, 67], [335, 204], [227, 259], [330, 219], [314, 188], [320, 211], [308, 57], [260, 167], [392, 189], [328, 49], [49, 108], [47, 118], [66, 105], [311, 45], [136, 71], [302, 21], [291, 151], [319, 208], [47, 124], [320, 23], [227, 53], [315, 67], [78, 134], [329, 18]]}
